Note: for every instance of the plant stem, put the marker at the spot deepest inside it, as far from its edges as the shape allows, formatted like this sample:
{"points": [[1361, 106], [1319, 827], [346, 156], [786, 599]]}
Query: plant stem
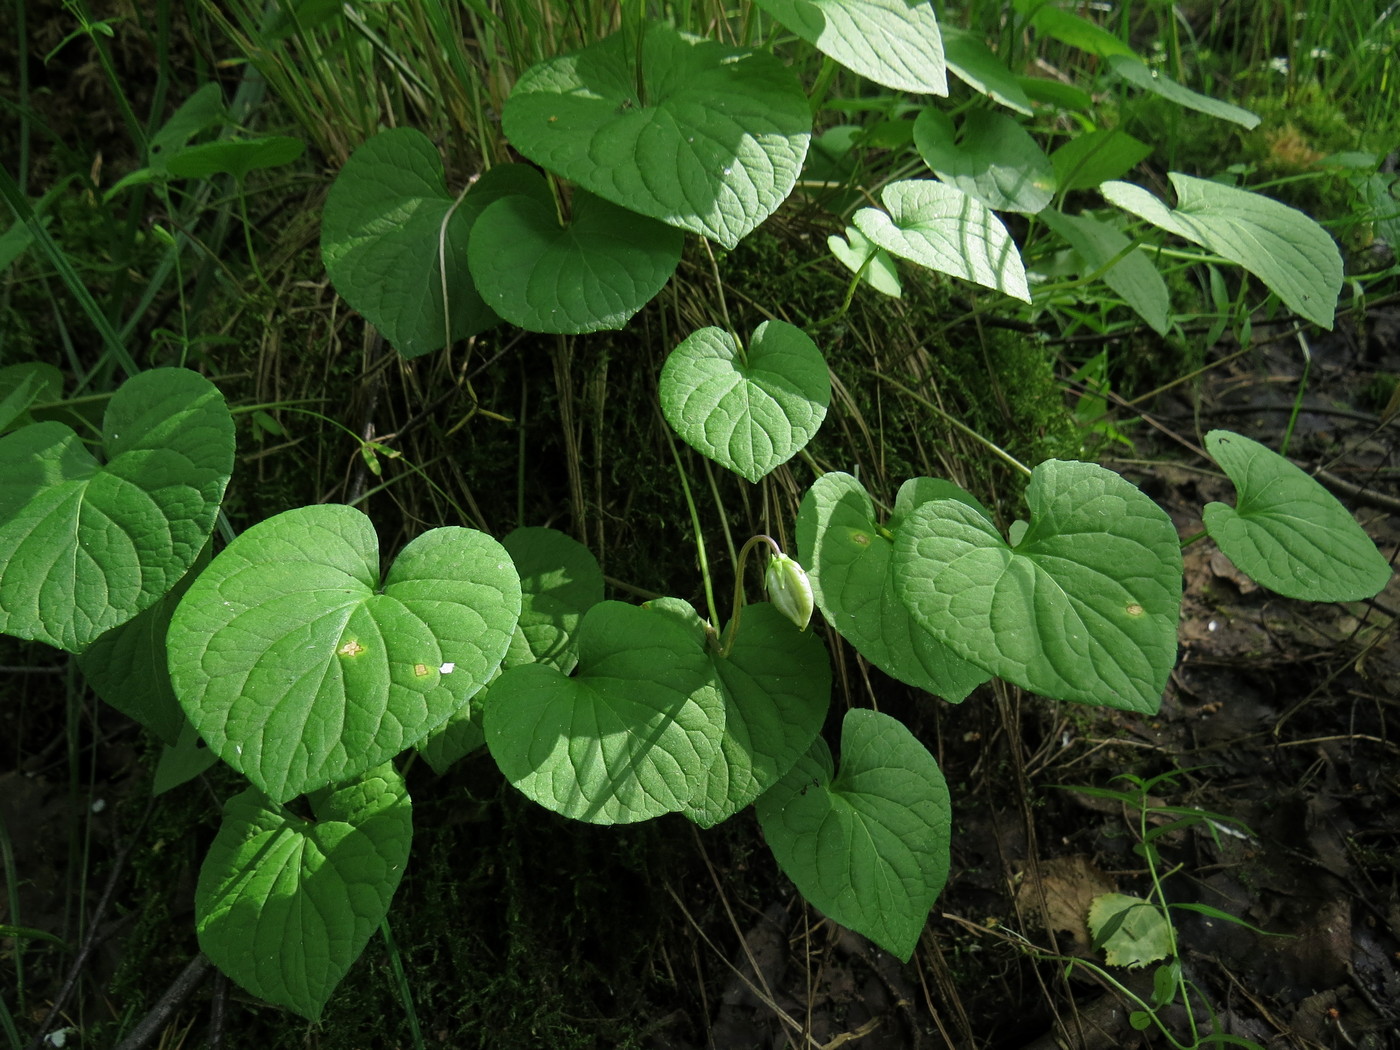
{"points": [[1090, 278], [1298, 400], [824, 78], [731, 629], [1149, 854], [442, 264], [723, 305], [695, 527], [11, 872]]}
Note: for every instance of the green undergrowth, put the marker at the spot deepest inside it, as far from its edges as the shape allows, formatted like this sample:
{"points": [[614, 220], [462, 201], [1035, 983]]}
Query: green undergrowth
{"points": [[555, 933], [516, 927], [515, 932], [1293, 153]]}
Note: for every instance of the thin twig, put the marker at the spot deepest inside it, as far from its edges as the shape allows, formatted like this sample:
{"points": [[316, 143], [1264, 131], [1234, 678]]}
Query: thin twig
{"points": [[179, 990]]}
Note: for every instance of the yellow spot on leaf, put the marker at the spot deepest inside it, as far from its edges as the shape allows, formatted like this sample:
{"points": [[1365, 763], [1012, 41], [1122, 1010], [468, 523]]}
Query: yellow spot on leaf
{"points": [[351, 648], [861, 538], [420, 669], [1134, 609]]}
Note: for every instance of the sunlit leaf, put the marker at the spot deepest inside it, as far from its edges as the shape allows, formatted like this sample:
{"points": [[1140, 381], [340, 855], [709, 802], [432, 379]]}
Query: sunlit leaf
{"points": [[691, 132], [1288, 532]]}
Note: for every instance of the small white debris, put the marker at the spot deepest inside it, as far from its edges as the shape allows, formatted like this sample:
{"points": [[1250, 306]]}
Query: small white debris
{"points": [[59, 1036], [1212, 626], [99, 804], [447, 668]]}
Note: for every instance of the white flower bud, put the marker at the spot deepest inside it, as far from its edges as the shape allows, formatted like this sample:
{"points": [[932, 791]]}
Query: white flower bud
{"points": [[789, 590]]}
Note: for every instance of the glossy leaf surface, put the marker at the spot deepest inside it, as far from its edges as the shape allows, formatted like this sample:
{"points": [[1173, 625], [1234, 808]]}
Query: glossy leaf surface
{"points": [[589, 275], [867, 845], [990, 156], [977, 66], [752, 408], [559, 581], [894, 43], [1132, 275], [690, 132], [628, 737], [285, 905], [128, 666], [394, 240], [1138, 73], [850, 558], [941, 227], [1288, 532], [1095, 157], [855, 252], [775, 686], [1082, 607], [85, 545], [1280, 245], [300, 667]]}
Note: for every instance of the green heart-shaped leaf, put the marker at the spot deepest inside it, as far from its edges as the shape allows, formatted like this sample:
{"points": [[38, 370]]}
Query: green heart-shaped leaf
{"points": [[628, 737], [86, 546], [749, 410], [857, 254], [394, 240], [891, 42], [701, 136], [285, 905], [991, 158], [775, 685], [1280, 245], [1133, 276], [1287, 531], [850, 560], [1084, 607], [300, 668], [939, 226], [868, 846], [592, 274], [559, 581]]}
